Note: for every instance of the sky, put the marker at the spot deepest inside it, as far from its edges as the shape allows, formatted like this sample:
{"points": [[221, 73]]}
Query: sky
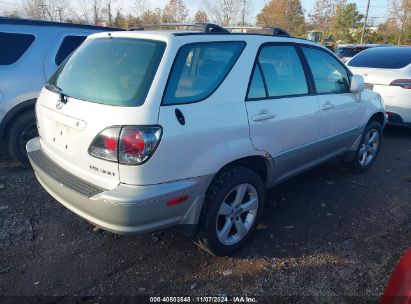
{"points": [[378, 8]]}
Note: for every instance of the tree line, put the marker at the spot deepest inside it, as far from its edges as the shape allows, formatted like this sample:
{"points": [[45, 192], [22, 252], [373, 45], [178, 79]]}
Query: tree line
{"points": [[338, 18]]}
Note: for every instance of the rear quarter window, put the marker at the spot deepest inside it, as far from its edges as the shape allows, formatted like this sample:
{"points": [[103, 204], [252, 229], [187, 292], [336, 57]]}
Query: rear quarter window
{"points": [[69, 44], [199, 69], [383, 58], [13, 46]]}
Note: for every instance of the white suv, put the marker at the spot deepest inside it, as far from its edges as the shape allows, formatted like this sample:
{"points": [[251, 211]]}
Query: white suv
{"points": [[144, 130]]}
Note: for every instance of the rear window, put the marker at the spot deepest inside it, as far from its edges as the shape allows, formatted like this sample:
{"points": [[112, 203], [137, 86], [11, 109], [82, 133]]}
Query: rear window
{"points": [[13, 46], [199, 69], [69, 44], [350, 52], [383, 58], [111, 71]]}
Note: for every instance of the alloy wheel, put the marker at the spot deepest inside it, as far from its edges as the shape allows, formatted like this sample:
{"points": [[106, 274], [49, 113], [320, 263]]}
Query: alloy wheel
{"points": [[237, 214], [369, 147]]}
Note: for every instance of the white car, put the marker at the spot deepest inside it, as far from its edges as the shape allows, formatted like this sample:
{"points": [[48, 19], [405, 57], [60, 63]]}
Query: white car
{"points": [[387, 71], [144, 130]]}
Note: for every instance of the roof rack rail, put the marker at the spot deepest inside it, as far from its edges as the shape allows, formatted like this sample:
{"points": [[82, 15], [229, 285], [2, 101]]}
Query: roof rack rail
{"points": [[206, 28], [275, 31]]}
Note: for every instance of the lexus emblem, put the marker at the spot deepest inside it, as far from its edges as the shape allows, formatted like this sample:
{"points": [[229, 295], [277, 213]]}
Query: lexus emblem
{"points": [[59, 105]]}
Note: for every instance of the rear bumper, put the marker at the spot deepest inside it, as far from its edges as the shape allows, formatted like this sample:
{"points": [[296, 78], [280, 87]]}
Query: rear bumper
{"points": [[399, 115], [126, 209]]}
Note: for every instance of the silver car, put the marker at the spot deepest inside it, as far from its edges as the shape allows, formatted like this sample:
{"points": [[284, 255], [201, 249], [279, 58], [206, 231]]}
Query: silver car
{"points": [[30, 52]]}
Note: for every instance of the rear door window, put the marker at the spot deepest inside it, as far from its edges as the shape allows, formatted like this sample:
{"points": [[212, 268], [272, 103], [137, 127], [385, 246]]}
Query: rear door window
{"points": [[328, 73], [282, 71], [69, 44], [199, 69], [112, 71], [13, 46], [383, 58]]}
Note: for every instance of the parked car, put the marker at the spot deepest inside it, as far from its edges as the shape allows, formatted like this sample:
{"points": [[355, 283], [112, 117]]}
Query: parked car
{"points": [[30, 52], [346, 52], [390, 77], [144, 130]]}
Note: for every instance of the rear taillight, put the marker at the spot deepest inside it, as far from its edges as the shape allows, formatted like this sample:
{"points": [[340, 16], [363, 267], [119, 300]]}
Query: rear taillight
{"points": [[404, 83], [138, 144], [127, 145], [105, 144]]}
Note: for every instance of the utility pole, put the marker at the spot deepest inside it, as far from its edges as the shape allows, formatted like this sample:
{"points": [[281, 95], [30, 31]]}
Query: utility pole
{"points": [[243, 13], [365, 21], [42, 6], [60, 10], [110, 17]]}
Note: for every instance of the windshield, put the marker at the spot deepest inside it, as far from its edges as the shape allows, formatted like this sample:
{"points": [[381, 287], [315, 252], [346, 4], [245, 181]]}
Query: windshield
{"points": [[112, 71], [393, 58]]}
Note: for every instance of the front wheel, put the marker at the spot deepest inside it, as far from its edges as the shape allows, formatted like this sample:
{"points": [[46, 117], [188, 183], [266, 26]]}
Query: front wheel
{"points": [[369, 147], [232, 209]]}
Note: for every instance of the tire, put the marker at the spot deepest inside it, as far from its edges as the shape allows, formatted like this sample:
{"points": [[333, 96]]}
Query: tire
{"points": [[20, 131], [215, 216], [369, 147]]}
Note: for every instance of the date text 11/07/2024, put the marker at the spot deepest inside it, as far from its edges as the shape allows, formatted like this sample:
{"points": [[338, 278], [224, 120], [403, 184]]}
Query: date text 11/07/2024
{"points": [[205, 299]]}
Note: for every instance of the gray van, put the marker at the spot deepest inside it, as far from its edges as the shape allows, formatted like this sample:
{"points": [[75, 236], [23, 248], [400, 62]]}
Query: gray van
{"points": [[30, 52]]}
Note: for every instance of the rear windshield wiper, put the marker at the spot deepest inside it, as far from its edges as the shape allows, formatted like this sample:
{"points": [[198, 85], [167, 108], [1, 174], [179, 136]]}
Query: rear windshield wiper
{"points": [[54, 88]]}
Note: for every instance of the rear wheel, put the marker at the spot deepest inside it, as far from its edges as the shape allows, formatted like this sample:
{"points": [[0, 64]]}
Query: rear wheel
{"points": [[22, 129], [369, 147], [232, 209]]}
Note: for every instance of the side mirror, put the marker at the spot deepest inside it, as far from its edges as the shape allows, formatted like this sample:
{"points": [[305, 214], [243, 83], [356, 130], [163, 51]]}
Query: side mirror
{"points": [[357, 83]]}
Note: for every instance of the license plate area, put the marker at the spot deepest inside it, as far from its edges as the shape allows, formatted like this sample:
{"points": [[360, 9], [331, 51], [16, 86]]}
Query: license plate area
{"points": [[60, 137]]}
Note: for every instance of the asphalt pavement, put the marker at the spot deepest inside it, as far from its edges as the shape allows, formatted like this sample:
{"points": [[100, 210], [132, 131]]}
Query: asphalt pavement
{"points": [[329, 234]]}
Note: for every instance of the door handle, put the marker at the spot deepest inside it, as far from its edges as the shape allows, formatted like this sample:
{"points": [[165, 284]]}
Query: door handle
{"points": [[263, 115], [327, 106]]}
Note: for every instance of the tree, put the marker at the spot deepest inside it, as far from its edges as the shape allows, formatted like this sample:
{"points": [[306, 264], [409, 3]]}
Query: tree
{"points": [[108, 11], [200, 16], [246, 12], [96, 11], [152, 16], [400, 13], [388, 31], [287, 14], [119, 20], [347, 23], [223, 12], [140, 7], [91, 11], [323, 15], [131, 21], [175, 12]]}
